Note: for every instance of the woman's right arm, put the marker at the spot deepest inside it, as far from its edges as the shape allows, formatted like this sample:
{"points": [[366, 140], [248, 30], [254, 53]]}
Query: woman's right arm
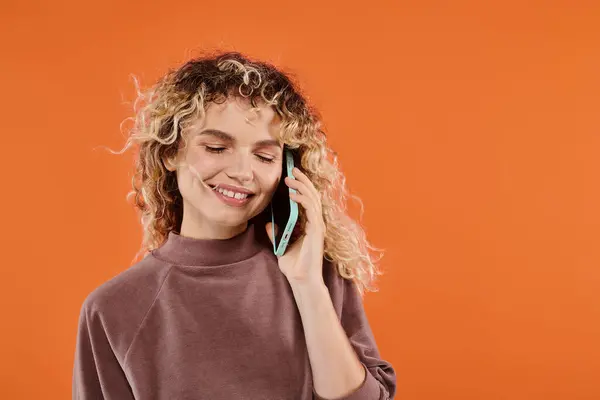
{"points": [[97, 374]]}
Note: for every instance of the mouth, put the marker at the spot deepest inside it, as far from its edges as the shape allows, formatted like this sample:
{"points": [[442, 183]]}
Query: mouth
{"points": [[232, 194]]}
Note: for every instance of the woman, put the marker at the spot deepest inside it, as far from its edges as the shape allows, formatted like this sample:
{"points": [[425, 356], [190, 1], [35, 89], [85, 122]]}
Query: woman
{"points": [[210, 312]]}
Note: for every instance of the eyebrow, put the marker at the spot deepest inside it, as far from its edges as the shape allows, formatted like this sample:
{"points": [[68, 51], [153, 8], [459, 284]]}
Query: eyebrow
{"points": [[229, 138]]}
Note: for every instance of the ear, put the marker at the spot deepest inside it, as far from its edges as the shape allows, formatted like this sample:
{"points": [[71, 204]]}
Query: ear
{"points": [[169, 164]]}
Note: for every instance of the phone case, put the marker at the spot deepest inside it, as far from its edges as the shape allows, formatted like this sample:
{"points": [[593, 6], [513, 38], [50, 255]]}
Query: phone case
{"points": [[279, 248]]}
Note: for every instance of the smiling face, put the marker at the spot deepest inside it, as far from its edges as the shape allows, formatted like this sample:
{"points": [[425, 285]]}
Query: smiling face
{"points": [[229, 170]]}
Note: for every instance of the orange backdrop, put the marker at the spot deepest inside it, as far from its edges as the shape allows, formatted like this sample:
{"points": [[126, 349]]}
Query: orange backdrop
{"points": [[469, 130]]}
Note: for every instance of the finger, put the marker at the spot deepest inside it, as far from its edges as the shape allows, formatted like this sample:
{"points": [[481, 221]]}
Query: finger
{"points": [[312, 215], [302, 177], [303, 189], [269, 227]]}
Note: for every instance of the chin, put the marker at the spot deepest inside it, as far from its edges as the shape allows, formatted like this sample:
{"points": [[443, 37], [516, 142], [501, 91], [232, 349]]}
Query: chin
{"points": [[229, 221]]}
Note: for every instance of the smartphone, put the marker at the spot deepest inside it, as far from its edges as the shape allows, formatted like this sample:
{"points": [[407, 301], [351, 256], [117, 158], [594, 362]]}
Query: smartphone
{"points": [[284, 210]]}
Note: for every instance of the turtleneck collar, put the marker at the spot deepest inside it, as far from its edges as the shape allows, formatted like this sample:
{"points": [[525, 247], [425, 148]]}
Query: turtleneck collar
{"points": [[182, 250]]}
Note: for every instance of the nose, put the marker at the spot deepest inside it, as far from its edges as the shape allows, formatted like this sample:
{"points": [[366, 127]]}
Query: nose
{"points": [[241, 169]]}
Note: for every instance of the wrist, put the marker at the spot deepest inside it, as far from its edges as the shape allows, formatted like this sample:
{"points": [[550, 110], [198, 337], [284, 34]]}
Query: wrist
{"points": [[306, 282], [311, 295]]}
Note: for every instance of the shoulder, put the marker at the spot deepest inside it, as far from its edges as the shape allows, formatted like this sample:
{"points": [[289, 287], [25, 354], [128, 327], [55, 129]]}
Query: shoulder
{"points": [[131, 285], [119, 305]]}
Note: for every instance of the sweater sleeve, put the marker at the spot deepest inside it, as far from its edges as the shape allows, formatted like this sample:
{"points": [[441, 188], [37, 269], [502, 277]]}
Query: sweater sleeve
{"points": [[380, 377], [97, 373]]}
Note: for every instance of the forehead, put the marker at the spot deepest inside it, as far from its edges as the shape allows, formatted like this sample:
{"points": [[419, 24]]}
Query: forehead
{"points": [[237, 117]]}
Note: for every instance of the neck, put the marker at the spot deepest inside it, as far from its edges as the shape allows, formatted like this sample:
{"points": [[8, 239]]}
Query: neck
{"points": [[191, 251]]}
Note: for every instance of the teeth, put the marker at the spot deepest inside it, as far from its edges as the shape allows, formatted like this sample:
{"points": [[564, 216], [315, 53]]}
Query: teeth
{"points": [[235, 195]]}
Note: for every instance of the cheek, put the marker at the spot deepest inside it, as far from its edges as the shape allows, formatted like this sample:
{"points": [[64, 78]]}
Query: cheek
{"points": [[205, 166], [271, 178]]}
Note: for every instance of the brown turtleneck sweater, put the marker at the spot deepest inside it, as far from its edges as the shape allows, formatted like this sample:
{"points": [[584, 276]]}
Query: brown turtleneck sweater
{"points": [[211, 319]]}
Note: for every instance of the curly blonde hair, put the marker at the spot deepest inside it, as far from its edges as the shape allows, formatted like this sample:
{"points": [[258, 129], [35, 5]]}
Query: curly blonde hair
{"points": [[181, 96]]}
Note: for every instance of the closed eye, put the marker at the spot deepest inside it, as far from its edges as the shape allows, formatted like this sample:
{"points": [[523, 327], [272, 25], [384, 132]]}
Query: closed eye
{"points": [[218, 150], [211, 149], [267, 160]]}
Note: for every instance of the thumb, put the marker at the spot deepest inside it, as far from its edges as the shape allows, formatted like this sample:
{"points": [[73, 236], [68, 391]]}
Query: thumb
{"points": [[269, 228]]}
